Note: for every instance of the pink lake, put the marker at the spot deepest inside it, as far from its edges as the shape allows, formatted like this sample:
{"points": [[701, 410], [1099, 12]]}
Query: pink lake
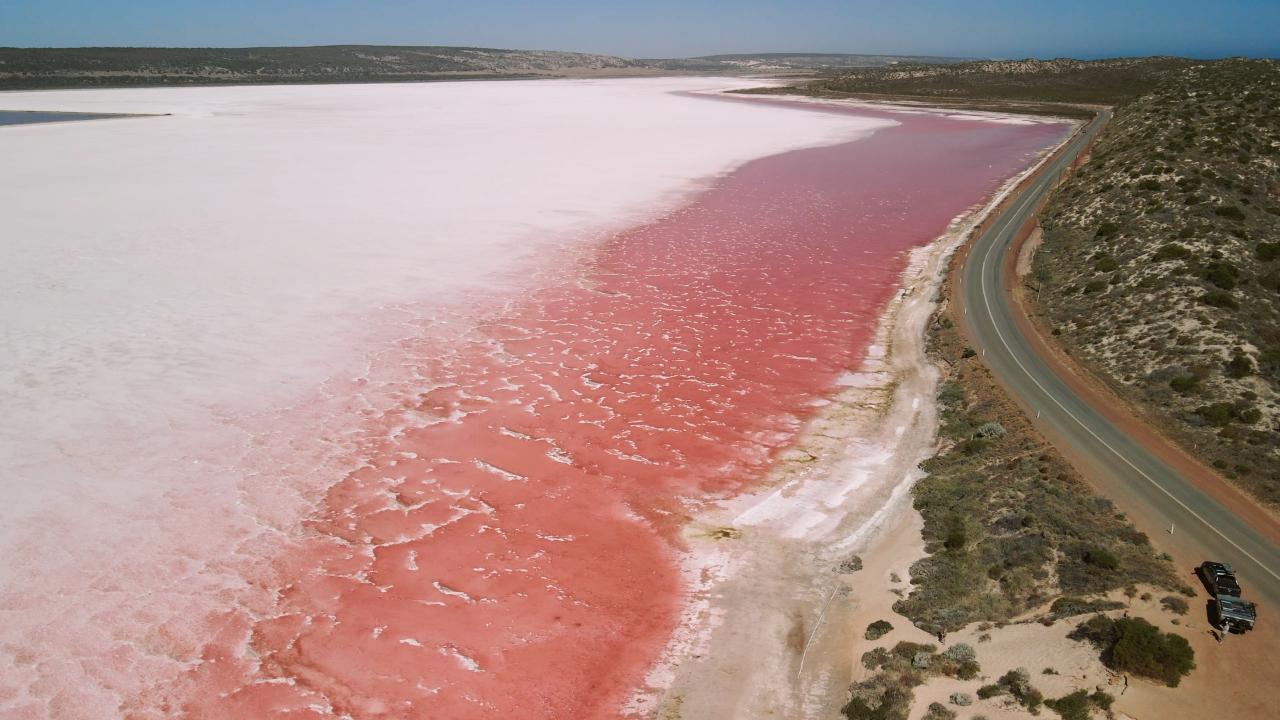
{"points": [[516, 554], [234, 502]]}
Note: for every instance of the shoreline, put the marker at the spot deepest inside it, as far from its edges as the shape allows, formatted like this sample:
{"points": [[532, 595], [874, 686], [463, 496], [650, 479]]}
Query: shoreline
{"points": [[796, 531]]}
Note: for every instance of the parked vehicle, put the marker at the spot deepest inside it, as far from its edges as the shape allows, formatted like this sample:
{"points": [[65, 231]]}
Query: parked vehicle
{"points": [[1232, 614], [1219, 579]]}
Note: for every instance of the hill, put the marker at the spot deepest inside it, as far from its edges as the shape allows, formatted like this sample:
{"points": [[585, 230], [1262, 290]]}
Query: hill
{"points": [[1062, 80], [1160, 268], [792, 62], [36, 68], [30, 68]]}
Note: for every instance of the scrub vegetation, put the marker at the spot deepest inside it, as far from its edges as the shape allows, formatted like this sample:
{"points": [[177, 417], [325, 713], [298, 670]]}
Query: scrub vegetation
{"points": [[1160, 268], [1009, 526], [888, 692], [1061, 80]]}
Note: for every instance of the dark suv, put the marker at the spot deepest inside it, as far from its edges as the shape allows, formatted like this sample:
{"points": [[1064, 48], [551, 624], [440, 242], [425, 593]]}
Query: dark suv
{"points": [[1219, 579]]}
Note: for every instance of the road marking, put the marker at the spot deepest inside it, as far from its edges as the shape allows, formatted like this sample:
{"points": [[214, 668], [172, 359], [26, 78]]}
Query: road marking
{"points": [[991, 315]]}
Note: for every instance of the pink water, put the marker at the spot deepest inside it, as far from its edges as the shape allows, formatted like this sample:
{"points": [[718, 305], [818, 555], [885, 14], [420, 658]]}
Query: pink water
{"points": [[508, 545]]}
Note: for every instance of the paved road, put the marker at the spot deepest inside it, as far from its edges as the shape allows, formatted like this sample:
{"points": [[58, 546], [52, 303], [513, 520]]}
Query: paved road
{"points": [[1201, 525]]}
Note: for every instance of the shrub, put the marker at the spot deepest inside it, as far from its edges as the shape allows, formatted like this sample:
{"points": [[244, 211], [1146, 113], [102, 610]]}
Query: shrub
{"points": [[968, 352], [1017, 682], [1101, 558], [1216, 415], [1270, 281], [878, 629], [1094, 286], [1106, 263], [938, 711], [989, 691], [1230, 212], [1149, 184], [951, 394], [1267, 251], [891, 704], [1219, 299], [1135, 645], [1222, 274], [1107, 229], [875, 658], [959, 660], [957, 536], [1143, 650], [1172, 251], [1175, 604], [1184, 383], [990, 430], [1071, 707], [1240, 365], [1067, 606]]}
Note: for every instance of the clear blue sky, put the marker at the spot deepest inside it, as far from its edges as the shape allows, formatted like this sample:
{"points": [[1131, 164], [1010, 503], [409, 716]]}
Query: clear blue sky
{"points": [[670, 28]]}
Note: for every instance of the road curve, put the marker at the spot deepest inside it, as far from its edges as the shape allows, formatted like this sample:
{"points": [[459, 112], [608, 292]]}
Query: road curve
{"points": [[1115, 461]]}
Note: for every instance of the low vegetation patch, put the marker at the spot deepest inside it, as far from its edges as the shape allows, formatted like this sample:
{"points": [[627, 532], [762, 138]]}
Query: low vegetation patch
{"points": [[878, 629], [1006, 518], [1175, 604], [888, 693], [1080, 704]]}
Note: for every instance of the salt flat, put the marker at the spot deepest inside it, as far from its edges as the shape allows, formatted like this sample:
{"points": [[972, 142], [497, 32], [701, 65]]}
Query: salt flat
{"points": [[228, 256], [174, 286]]}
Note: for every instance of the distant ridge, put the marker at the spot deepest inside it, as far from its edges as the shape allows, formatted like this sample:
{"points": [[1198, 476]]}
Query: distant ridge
{"points": [[24, 68], [37, 68]]}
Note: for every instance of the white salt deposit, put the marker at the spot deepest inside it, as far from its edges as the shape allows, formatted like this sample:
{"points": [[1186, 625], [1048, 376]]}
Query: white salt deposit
{"points": [[161, 273]]}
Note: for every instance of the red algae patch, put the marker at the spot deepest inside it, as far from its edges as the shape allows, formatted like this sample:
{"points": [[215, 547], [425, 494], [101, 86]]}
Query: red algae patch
{"points": [[508, 545]]}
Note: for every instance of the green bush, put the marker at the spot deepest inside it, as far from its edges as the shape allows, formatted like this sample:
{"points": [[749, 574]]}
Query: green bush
{"points": [[878, 629], [989, 691], [892, 704], [1071, 707], [1175, 604], [1230, 212], [1216, 415], [1172, 251], [1094, 286], [938, 711], [1107, 229], [1222, 274], [1101, 558], [1067, 606], [1267, 251], [1135, 645], [1240, 365], [1270, 281], [1248, 416], [1219, 299], [1143, 650], [957, 536]]}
